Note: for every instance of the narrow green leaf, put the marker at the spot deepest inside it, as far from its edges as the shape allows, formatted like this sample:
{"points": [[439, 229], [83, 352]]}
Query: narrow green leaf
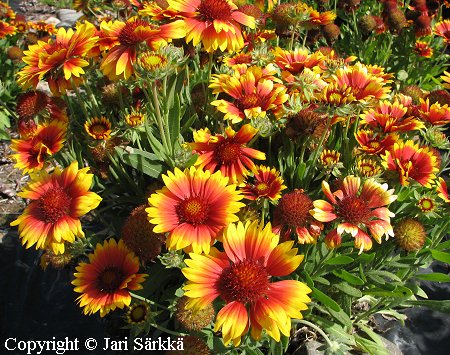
{"points": [[174, 120], [333, 329], [441, 306], [384, 273], [339, 260], [434, 276], [350, 278], [365, 258], [324, 299], [349, 290], [143, 162], [440, 256]]}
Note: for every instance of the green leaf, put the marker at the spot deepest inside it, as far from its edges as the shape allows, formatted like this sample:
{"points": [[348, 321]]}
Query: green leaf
{"points": [[365, 258], [174, 120], [434, 276], [350, 278], [440, 256], [339, 260], [444, 245], [325, 300], [349, 290], [374, 345], [397, 292], [441, 306], [145, 162], [333, 329], [387, 274]]}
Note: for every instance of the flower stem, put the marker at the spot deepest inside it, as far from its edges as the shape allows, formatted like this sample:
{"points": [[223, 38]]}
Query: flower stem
{"points": [[148, 301], [315, 327], [165, 330]]}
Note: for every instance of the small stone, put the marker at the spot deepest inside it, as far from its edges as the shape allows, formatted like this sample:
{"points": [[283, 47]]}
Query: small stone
{"points": [[52, 21], [68, 16]]}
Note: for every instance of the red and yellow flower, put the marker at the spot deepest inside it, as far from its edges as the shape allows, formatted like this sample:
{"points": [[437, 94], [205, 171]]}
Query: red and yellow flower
{"points": [[411, 162], [434, 114], [389, 117], [252, 96], [6, 29], [423, 49], [122, 39], [60, 61], [106, 280], [98, 128], [446, 80], [228, 153], [442, 29], [357, 210], [44, 141], [294, 61], [292, 215], [363, 85], [214, 23], [374, 143], [57, 203], [193, 206], [241, 276], [442, 190], [267, 183]]}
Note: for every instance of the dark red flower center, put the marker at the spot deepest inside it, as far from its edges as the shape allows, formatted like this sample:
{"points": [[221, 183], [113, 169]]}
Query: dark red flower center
{"points": [[353, 209], [139, 313], [128, 36], [211, 10], [293, 208], [110, 279], [262, 188], [54, 204], [245, 282], [193, 210], [249, 101], [227, 152]]}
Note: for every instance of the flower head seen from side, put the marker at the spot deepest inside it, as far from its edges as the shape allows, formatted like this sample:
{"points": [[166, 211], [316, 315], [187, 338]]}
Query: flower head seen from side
{"points": [[358, 210], [106, 280], [442, 190], [98, 128], [228, 153], [411, 161], [446, 80], [390, 117], [214, 23], [442, 29], [252, 96], [423, 49], [32, 152], [266, 183], [292, 215], [193, 206], [122, 40], [241, 276], [6, 29], [374, 143], [434, 114], [57, 203], [60, 61]]}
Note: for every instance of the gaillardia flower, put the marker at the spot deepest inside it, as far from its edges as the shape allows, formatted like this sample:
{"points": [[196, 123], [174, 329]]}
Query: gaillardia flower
{"points": [[357, 210], [412, 162], [122, 39], [194, 206], [32, 152], [442, 29], [267, 183], [389, 117], [98, 128], [60, 61], [241, 276], [106, 280], [214, 23], [57, 203], [292, 215], [252, 96], [229, 154], [442, 190]]}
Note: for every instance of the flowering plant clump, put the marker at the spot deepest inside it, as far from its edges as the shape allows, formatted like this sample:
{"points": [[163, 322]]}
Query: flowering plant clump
{"points": [[249, 168]]}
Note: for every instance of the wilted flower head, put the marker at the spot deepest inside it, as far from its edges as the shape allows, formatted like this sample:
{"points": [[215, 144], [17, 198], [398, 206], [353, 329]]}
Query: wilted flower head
{"points": [[410, 234]]}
